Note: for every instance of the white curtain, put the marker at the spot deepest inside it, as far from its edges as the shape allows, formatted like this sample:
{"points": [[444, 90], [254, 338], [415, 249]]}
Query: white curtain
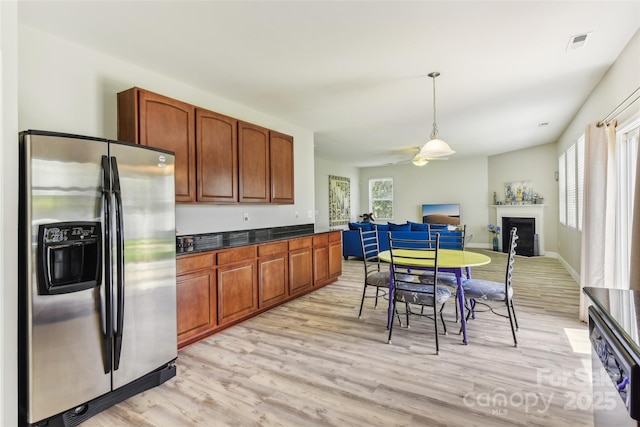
{"points": [[598, 221], [634, 281]]}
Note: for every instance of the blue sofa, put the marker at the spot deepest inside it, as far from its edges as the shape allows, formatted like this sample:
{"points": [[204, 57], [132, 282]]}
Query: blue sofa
{"points": [[351, 238]]}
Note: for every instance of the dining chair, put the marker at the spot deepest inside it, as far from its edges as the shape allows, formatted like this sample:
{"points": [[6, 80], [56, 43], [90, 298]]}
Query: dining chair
{"points": [[409, 285], [485, 292], [374, 276], [451, 237]]}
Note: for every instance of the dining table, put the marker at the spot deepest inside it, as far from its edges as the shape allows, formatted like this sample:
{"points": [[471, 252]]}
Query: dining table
{"points": [[449, 260]]}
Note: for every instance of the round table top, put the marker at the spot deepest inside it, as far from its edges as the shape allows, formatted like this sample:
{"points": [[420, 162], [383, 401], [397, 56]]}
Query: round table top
{"points": [[447, 258]]}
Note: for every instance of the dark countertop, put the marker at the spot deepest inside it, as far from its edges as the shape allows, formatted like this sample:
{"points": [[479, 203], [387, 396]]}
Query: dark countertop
{"points": [[620, 309], [198, 243]]}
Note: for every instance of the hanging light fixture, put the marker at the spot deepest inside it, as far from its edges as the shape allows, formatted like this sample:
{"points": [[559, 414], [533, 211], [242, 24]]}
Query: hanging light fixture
{"points": [[435, 147]]}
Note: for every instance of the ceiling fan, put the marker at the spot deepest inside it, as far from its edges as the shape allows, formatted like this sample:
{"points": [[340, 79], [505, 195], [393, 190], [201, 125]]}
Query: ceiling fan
{"points": [[417, 161]]}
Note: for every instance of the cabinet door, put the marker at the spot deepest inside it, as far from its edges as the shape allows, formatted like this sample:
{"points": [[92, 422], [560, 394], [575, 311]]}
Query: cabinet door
{"points": [[170, 124], [237, 291], [335, 259], [196, 304], [253, 163], [320, 265], [272, 279], [300, 271], [217, 149], [281, 163]]}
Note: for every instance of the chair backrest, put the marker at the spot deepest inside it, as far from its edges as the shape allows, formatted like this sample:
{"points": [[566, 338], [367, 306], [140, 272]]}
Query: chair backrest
{"points": [[370, 249], [451, 236], [513, 237], [405, 252]]}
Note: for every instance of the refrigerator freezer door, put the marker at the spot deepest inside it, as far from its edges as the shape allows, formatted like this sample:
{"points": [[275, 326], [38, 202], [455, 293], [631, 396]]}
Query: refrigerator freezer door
{"points": [[64, 332], [146, 326]]}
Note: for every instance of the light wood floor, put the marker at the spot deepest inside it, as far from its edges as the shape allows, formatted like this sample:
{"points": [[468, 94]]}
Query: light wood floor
{"points": [[312, 362]]}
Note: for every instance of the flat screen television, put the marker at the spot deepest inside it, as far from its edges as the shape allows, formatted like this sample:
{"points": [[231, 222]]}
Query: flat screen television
{"points": [[441, 213]]}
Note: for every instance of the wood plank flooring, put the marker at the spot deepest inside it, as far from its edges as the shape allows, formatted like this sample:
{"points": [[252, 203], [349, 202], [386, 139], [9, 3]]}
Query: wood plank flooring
{"points": [[312, 362]]}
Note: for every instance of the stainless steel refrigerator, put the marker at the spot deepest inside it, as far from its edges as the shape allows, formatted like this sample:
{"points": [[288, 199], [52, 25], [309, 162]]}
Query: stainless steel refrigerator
{"points": [[97, 281]]}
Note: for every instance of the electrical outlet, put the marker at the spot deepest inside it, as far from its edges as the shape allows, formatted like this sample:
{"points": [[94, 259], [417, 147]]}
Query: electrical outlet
{"points": [[310, 214], [245, 216], [297, 214]]}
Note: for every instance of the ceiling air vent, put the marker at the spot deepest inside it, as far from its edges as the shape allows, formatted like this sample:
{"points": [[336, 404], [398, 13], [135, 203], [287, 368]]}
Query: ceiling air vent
{"points": [[578, 41]]}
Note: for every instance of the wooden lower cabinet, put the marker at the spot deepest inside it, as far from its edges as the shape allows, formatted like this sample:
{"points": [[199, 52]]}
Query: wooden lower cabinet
{"points": [[273, 273], [219, 288], [327, 258], [335, 255], [300, 265], [196, 297], [237, 284]]}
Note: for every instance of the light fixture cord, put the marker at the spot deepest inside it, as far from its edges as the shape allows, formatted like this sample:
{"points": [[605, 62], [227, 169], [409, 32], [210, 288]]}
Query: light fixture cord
{"points": [[434, 132]]}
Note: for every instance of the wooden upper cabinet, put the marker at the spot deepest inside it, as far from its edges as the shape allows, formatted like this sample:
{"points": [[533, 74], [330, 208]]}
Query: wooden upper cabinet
{"points": [[281, 163], [154, 120], [218, 159], [217, 148], [253, 163]]}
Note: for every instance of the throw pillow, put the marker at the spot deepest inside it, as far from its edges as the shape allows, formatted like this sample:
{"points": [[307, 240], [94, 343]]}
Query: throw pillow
{"points": [[399, 227], [366, 226], [417, 226]]}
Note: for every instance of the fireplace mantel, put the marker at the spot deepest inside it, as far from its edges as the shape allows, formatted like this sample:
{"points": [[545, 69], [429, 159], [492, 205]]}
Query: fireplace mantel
{"points": [[524, 211]]}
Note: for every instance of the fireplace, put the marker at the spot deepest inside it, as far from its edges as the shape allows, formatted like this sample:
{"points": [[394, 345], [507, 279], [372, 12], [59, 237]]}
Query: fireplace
{"points": [[523, 211], [526, 235]]}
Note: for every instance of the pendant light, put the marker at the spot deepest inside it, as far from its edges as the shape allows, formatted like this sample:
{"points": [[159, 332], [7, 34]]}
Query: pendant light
{"points": [[435, 147]]}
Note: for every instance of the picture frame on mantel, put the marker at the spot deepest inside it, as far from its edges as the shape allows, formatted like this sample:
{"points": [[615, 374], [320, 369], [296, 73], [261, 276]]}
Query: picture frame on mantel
{"points": [[518, 192]]}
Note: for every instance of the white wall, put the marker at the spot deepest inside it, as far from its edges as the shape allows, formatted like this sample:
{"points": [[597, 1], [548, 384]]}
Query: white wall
{"points": [[8, 213], [461, 180], [617, 84], [66, 87], [324, 168], [538, 165]]}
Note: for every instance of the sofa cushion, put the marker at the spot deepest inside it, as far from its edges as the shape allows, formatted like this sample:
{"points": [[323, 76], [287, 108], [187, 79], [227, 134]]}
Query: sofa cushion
{"points": [[417, 226], [366, 226], [381, 228], [399, 227]]}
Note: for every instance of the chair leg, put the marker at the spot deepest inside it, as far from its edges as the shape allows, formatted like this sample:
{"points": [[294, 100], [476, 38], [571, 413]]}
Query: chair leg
{"points": [[391, 325], [377, 293], [435, 322], [511, 321], [399, 318], [364, 292], [513, 309], [406, 305], [444, 325], [472, 304]]}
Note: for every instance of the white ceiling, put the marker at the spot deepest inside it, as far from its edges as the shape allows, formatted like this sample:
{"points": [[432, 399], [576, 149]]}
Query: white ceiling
{"points": [[356, 72]]}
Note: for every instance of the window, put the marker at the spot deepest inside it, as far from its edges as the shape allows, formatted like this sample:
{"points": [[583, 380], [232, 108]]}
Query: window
{"points": [[580, 177], [381, 198], [571, 186], [562, 190]]}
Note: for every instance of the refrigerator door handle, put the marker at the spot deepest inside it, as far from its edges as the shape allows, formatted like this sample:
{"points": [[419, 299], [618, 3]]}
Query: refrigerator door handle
{"points": [[107, 334], [120, 265]]}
